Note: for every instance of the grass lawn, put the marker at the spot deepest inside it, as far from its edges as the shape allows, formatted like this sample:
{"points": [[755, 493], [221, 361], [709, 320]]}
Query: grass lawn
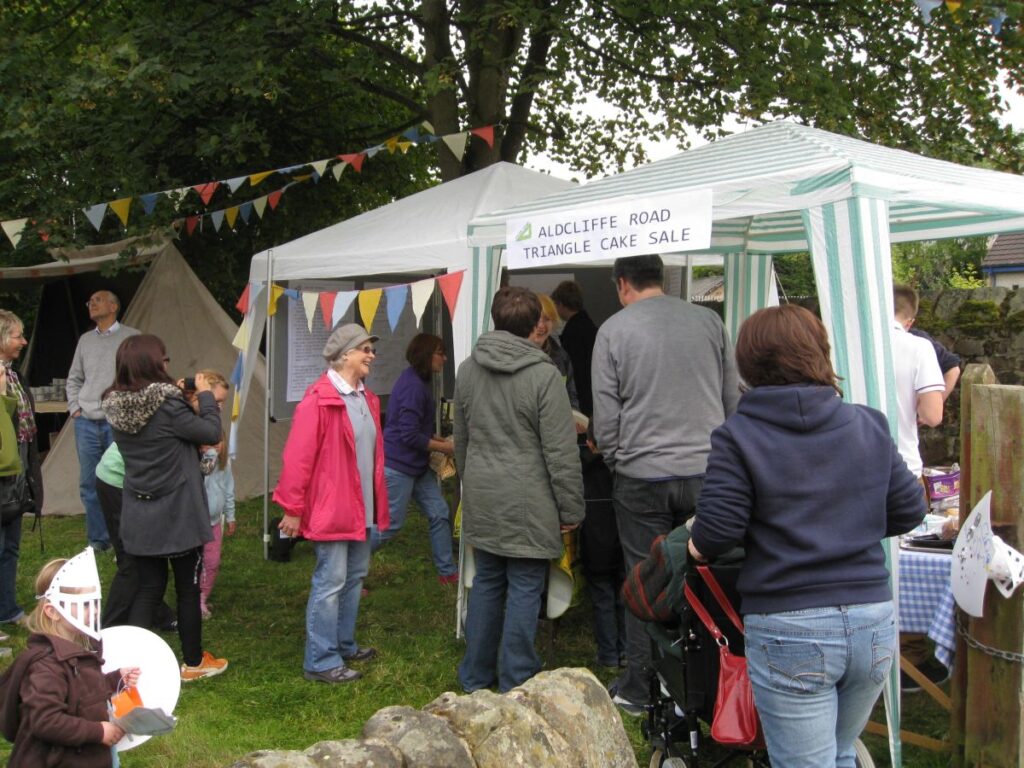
{"points": [[262, 700]]}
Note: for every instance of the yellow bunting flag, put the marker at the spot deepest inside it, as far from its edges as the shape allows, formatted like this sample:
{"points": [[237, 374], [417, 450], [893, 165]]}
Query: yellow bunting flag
{"points": [[231, 214], [368, 303], [256, 178], [235, 406], [320, 166], [120, 207], [338, 169], [404, 146], [392, 144], [276, 292]]}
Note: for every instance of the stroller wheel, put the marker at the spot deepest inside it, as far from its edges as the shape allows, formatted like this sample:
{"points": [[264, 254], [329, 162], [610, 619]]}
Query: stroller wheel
{"points": [[862, 756], [658, 760]]}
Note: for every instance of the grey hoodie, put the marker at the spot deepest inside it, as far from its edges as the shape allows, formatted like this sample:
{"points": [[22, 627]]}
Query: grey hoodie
{"points": [[515, 447]]}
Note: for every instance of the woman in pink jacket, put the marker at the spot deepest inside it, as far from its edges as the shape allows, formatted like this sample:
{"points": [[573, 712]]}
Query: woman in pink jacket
{"points": [[333, 493]]}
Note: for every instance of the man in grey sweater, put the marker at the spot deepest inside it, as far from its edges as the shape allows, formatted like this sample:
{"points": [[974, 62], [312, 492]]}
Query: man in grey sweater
{"points": [[663, 378], [92, 371]]}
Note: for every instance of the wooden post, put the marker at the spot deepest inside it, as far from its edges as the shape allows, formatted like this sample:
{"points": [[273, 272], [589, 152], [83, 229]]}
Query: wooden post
{"points": [[988, 690]]}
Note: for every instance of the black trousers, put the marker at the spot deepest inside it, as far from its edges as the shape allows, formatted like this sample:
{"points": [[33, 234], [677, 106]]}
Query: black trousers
{"points": [[152, 575], [117, 604]]}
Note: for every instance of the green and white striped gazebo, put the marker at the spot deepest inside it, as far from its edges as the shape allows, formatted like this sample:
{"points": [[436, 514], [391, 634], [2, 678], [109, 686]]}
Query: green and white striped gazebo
{"points": [[785, 187]]}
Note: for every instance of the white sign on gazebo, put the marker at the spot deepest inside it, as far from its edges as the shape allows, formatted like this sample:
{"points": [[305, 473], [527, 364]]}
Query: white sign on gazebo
{"points": [[669, 223]]}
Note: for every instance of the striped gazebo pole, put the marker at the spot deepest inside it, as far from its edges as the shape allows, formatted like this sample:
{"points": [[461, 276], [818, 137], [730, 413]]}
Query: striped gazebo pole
{"points": [[749, 286], [849, 242]]}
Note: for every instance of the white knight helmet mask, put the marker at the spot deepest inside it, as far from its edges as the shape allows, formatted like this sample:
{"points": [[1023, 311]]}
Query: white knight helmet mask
{"points": [[75, 593]]}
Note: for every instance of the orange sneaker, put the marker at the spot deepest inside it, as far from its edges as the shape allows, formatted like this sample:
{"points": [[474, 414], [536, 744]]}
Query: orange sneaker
{"points": [[207, 667]]}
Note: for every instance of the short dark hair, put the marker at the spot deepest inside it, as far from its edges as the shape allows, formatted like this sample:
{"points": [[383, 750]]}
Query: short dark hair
{"points": [[139, 363], [639, 271], [784, 345], [569, 295], [516, 310], [420, 353], [905, 301]]}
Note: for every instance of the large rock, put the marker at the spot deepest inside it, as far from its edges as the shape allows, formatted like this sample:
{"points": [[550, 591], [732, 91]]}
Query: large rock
{"points": [[273, 758], [578, 707], [355, 753], [425, 740], [502, 732]]}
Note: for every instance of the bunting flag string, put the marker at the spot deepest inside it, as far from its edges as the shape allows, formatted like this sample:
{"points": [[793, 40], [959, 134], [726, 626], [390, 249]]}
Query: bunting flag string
{"points": [[96, 214], [334, 304]]}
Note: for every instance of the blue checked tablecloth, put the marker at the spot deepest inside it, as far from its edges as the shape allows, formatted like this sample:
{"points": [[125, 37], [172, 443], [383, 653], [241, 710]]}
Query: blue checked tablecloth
{"points": [[926, 600]]}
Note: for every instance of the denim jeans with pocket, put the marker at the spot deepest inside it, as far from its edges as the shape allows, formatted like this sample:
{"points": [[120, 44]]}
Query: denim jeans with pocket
{"points": [[92, 438], [816, 674], [426, 491], [501, 622], [333, 604]]}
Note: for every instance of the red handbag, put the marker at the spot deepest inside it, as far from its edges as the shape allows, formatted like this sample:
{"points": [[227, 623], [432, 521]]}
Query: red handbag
{"points": [[735, 721]]}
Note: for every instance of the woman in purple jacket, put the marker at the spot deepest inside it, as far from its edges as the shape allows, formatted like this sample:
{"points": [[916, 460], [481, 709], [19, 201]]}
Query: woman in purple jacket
{"points": [[408, 440]]}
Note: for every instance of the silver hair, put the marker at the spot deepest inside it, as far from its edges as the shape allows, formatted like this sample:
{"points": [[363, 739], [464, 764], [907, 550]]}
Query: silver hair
{"points": [[8, 322]]}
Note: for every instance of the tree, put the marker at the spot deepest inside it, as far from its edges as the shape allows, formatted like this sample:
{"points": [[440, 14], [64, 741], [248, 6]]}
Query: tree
{"points": [[861, 67]]}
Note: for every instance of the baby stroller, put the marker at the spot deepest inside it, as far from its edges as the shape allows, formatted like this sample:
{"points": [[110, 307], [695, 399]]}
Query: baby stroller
{"points": [[684, 663]]}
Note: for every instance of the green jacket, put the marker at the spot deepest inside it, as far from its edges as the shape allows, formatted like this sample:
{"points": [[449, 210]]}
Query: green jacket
{"points": [[10, 459], [515, 448]]}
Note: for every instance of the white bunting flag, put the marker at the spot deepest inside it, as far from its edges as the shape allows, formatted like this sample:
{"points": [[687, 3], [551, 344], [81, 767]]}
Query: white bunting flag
{"points": [[309, 301], [342, 302], [338, 169], [320, 166], [95, 215], [259, 204], [421, 293], [13, 229], [216, 218], [235, 183], [456, 142]]}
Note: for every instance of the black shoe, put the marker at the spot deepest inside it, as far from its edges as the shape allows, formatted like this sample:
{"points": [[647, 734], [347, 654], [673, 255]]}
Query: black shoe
{"points": [[336, 675], [934, 671], [363, 654], [170, 626]]}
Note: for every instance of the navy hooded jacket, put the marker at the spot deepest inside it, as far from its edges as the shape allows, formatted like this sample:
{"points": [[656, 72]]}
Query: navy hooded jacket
{"points": [[809, 485]]}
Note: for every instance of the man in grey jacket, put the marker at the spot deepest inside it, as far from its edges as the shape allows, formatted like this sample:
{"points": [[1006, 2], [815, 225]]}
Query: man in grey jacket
{"points": [[92, 371], [663, 378], [515, 448]]}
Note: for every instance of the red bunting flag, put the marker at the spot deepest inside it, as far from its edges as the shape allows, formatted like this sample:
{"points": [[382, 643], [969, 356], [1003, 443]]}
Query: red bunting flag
{"points": [[243, 301], [274, 198], [450, 285], [355, 160], [327, 306], [190, 224], [486, 133], [206, 190]]}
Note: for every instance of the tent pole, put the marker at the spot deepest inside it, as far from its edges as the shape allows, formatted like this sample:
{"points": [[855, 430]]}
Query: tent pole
{"points": [[266, 406]]}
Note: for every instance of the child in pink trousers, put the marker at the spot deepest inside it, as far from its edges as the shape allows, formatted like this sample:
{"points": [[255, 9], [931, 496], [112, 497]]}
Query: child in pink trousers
{"points": [[220, 494]]}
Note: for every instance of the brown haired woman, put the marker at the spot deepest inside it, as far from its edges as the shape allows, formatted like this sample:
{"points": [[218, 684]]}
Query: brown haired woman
{"points": [[809, 485], [164, 518], [408, 440]]}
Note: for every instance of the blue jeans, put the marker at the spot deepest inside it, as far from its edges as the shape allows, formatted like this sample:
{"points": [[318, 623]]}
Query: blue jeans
{"points": [[333, 604], [10, 545], [645, 510], [816, 674], [92, 438], [427, 493], [501, 622]]}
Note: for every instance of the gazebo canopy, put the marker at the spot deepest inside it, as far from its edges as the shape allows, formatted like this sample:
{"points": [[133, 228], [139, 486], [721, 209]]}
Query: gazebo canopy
{"points": [[784, 187]]}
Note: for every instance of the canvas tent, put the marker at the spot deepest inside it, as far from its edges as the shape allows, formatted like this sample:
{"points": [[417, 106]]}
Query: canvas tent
{"points": [[784, 187], [170, 302]]}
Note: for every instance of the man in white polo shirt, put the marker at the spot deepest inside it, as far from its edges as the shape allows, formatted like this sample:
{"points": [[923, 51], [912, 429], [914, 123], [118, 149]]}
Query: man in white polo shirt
{"points": [[92, 371], [919, 382]]}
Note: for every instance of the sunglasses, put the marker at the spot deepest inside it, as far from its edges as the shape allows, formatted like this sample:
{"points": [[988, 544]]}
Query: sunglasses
{"points": [[366, 350]]}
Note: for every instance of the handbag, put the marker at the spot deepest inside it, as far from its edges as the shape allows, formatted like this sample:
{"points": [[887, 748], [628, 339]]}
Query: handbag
{"points": [[735, 721], [14, 498]]}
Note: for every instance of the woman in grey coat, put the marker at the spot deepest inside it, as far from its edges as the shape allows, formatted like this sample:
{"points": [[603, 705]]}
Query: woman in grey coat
{"points": [[164, 516], [515, 448]]}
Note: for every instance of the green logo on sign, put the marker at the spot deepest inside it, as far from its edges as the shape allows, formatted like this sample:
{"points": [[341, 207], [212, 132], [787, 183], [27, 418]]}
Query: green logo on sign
{"points": [[525, 233]]}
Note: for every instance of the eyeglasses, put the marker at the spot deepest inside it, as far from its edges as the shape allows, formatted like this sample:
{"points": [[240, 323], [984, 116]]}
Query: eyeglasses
{"points": [[441, 352], [167, 360], [367, 350]]}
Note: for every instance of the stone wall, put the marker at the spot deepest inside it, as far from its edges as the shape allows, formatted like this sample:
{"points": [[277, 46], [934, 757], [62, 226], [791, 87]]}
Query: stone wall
{"points": [[560, 718], [984, 325]]}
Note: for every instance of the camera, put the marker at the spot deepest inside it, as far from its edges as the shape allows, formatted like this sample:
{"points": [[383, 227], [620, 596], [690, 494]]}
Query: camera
{"points": [[190, 384]]}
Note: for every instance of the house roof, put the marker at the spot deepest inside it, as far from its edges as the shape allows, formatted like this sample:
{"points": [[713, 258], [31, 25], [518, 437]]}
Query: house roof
{"points": [[1006, 251]]}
